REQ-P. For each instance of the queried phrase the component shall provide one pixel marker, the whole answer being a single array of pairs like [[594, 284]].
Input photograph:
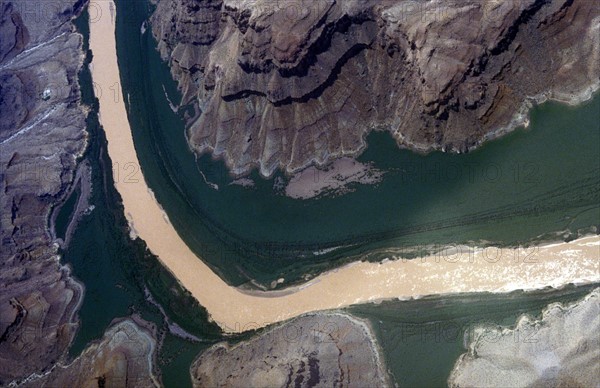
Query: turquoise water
[[532, 185]]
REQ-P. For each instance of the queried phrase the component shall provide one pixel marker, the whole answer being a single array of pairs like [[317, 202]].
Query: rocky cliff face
[[42, 131], [122, 358], [285, 84], [560, 350], [325, 350]]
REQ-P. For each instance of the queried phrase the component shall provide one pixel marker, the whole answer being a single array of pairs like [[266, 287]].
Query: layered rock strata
[[122, 358], [289, 83], [325, 349], [42, 133], [562, 349]]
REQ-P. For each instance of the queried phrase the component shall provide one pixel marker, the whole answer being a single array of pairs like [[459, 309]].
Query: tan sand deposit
[[234, 310]]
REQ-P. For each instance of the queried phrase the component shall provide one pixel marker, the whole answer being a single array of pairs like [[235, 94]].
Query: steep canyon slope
[[290, 83], [42, 132], [42, 139]]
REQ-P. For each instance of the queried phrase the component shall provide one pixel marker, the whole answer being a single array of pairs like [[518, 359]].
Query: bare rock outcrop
[[560, 350], [42, 132], [122, 358], [325, 350], [289, 83]]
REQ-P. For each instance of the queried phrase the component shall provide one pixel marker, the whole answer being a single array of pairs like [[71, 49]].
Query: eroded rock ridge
[[323, 349], [289, 83], [42, 133]]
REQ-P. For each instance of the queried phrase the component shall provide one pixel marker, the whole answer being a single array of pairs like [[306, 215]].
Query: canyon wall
[[290, 83], [42, 133]]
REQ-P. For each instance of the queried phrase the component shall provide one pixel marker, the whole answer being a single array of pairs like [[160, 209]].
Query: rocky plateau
[[562, 349], [42, 134], [324, 350], [284, 84], [122, 358]]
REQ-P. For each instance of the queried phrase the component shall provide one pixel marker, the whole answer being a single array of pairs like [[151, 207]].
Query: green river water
[[547, 182], [532, 185]]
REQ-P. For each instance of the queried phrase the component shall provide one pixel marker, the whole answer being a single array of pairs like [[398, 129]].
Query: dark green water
[[65, 214], [422, 339], [530, 186], [116, 270]]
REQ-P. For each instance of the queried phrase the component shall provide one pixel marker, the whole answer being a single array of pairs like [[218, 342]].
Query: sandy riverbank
[[234, 310]]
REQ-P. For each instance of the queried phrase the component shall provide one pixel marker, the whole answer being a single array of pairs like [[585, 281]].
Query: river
[[524, 188], [115, 271]]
